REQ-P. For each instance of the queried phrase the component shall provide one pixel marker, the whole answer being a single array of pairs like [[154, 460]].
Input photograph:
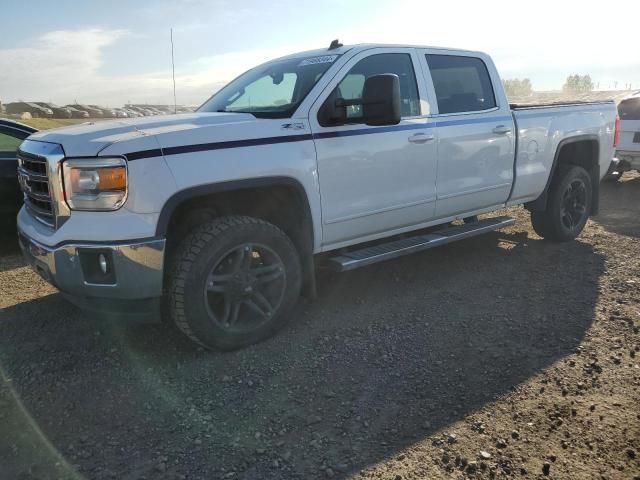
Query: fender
[[540, 203], [307, 246], [202, 190]]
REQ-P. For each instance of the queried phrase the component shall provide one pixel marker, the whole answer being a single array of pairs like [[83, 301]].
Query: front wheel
[[568, 206], [234, 283]]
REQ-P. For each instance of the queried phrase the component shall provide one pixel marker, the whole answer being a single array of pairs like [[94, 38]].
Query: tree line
[[516, 87]]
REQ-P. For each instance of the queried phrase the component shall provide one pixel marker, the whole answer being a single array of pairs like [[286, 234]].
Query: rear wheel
[[539, 223], [235, 281], [568, 206]]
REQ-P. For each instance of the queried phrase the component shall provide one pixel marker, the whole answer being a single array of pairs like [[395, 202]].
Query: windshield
[[273, 90]]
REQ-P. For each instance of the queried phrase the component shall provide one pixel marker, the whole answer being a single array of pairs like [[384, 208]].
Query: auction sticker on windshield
[[317, 60]]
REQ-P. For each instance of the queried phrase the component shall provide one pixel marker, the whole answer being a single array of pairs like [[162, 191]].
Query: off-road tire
[[539, 223], [198, 253], [548, 223]]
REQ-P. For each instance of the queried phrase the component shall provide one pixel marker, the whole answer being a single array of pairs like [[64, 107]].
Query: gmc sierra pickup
[[345, 156]]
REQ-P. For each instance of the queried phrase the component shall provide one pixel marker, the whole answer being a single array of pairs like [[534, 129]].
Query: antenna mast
[[173, 70]]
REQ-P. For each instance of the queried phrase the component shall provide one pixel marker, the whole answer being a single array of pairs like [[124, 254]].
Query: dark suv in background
[[58, 112], [34, 109], [76, 113]]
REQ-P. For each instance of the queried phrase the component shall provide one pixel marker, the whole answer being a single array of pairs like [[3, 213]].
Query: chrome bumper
[[135, 268]]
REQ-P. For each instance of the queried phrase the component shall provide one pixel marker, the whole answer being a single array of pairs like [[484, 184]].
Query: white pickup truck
[[345, 156]]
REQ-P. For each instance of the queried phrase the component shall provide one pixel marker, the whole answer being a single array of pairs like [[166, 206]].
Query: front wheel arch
[[280, 200]]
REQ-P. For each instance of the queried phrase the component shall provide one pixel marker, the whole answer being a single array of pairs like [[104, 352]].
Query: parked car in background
[[93, 112], [628, 143], [11, 136], [121, 113], [58, 112], [106, 112], [35, 110], [143, 111], [156, 111], [133, 113], [75, 113], [341, 156]]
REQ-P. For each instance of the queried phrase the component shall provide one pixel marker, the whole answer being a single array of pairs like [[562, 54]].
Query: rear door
[[375, 179], [476, 136]]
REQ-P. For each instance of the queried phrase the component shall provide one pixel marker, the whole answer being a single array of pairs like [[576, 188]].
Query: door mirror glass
[[381, 100]]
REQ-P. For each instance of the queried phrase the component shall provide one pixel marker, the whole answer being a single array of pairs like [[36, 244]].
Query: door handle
[[421, 138], [501, 129]]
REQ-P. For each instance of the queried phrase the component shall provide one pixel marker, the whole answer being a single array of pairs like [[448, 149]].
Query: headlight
[[95, 184]]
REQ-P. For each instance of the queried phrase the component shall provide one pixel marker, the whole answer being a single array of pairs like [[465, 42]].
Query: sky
[[112, 52]]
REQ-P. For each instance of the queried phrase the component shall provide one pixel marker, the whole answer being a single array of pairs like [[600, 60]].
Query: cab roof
[[365, 46]]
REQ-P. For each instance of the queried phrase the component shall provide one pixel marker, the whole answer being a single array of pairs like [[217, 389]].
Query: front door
[[375, 180]]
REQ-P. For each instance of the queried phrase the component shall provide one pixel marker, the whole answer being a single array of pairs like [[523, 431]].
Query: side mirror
[[381, 100], [380, 103]]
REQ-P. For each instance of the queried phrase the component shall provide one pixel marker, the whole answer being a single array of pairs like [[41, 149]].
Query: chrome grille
[[34, 181], [39, 177]]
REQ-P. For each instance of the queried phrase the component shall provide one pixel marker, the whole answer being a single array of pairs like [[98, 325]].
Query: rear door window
[[629, 109], [462, 84]]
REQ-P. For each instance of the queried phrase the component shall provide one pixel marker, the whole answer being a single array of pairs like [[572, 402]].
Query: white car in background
[[628, 144]]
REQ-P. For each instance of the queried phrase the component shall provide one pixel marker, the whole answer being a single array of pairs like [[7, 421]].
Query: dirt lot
[[502, 356]]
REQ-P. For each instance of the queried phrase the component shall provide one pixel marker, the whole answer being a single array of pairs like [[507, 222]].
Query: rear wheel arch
[[582, 151]]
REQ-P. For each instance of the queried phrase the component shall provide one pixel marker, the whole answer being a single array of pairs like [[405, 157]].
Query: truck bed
[[543, 128], [525, 106]]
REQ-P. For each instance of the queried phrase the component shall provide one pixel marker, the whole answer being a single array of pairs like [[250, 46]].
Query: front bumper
[[133, 283]]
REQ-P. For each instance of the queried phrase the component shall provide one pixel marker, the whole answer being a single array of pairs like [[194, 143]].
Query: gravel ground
[[500, 356]]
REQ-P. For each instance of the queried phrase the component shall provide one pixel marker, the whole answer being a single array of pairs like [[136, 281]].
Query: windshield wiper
[[223, 110]]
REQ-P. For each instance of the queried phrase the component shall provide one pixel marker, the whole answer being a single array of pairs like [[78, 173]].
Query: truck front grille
[[39, 176], [34, 181]]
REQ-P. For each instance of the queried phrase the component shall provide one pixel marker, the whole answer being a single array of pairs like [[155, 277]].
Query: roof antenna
[[173, 71], [335, 44]]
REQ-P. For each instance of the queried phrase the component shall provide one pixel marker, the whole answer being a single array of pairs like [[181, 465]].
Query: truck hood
[[88, 139]]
